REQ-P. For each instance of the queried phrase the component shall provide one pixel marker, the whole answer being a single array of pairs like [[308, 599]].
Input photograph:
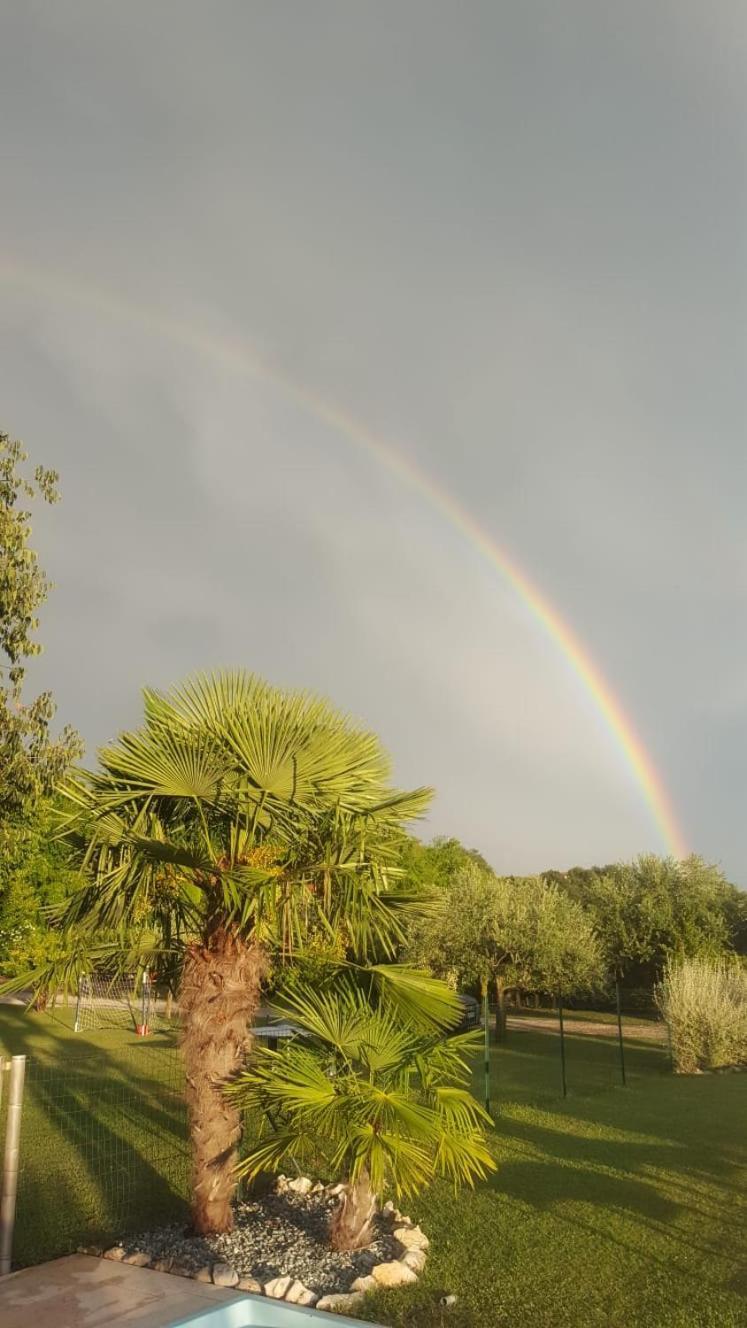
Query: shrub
[[383, 1101], [704, 1002]]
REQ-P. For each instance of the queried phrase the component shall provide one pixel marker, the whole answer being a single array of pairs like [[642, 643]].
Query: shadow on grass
[[103, 1144]]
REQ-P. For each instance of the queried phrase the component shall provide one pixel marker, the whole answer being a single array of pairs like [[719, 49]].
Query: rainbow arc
[[242, 356]]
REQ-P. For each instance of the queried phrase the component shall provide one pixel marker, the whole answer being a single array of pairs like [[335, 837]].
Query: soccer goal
[[121, 1002]]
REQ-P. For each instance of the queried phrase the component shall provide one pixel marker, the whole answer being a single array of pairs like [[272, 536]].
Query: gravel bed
[[277, 1235]]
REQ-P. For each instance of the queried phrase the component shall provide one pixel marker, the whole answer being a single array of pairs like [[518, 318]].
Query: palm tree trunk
[[351, 1227], [218, 997]]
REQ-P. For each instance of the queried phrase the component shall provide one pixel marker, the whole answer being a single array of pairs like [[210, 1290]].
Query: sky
[[506, 240]]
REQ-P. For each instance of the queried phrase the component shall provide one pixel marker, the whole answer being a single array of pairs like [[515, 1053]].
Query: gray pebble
[[281, 1235]]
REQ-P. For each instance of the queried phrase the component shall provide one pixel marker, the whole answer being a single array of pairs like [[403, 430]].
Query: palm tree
[[212, 838], [381, 1100]]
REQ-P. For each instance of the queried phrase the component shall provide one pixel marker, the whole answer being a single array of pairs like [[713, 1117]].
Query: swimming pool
[[260, 1312]]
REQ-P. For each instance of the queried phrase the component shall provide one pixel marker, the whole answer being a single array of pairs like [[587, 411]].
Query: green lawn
[[103, 1133], [613, 1208]]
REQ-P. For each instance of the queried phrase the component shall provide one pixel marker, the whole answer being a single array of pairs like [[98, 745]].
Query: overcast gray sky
[[509, 239]]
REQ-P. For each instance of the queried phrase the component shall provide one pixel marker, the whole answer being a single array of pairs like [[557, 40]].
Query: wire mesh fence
[[103, 1148]]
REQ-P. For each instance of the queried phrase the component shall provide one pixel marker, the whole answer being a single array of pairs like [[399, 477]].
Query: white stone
[[278, 1287], [301, 1185], [415, 1259], [204, 1274], [250, 1284], [138, 1257], [364, 1283], [412, 1238], [336, 1189], [224, 1275], [298, 1294], [116, 1253], [388, 1206], [162, 1265], [393, 1274], [343, 1300]]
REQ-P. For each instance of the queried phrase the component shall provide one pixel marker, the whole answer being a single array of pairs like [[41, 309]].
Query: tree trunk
[[500, 1010], [41, 1000], [218, 997], [351, 1227]]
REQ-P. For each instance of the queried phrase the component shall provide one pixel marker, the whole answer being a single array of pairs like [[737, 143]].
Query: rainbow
[[241, 356]]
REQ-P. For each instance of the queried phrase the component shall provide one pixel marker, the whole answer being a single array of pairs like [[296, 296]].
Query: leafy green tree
[[436, 865], [31, 760], [654, 909], [36, 877], [214, 838], [734, 905], [511, 932], [382, 1101], [457, 939], [577, 881]]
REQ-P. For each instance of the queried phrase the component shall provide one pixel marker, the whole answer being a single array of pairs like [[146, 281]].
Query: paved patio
[[83, 1292]]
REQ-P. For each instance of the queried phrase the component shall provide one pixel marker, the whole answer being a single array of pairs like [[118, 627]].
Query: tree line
[[573, 933]]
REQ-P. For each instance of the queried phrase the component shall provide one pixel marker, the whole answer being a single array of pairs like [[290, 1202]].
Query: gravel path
[[646, 1030]]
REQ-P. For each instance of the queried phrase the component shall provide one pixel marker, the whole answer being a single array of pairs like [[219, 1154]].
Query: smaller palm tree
[[380, 1100]]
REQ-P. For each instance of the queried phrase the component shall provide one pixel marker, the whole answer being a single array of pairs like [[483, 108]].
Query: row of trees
[[573, 932]]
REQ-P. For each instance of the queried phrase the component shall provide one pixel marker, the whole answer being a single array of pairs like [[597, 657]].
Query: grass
[[613, 1208], [103, 1145]]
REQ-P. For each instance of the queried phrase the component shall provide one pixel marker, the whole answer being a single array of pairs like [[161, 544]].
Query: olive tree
[[514, 933]]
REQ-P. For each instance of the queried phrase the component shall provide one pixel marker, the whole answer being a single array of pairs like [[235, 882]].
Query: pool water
[[261, 1312]]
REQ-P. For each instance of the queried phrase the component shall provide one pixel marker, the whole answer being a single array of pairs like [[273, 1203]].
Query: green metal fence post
[[562, 1048], [486, 1023], [620, 1031]]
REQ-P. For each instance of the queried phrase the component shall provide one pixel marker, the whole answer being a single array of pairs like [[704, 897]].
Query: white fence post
[[17, 1073], [77, 1005]]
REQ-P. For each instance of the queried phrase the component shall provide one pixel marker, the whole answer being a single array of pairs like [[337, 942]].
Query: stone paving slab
[[83, 1292]]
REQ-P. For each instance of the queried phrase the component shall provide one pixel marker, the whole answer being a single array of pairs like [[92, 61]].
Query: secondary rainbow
[[240, 355]]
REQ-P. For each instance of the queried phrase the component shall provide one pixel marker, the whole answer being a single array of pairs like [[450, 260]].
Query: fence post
[[671, 1048], [562, 1047], [77, 1007], [486, 1023], [145, 1011], [10, 1161], [620, 1031]]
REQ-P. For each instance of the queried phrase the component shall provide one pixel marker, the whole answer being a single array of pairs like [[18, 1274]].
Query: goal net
[[120, 1002]]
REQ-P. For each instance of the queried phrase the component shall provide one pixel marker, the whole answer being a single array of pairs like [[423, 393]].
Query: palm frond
[[418, 998]]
